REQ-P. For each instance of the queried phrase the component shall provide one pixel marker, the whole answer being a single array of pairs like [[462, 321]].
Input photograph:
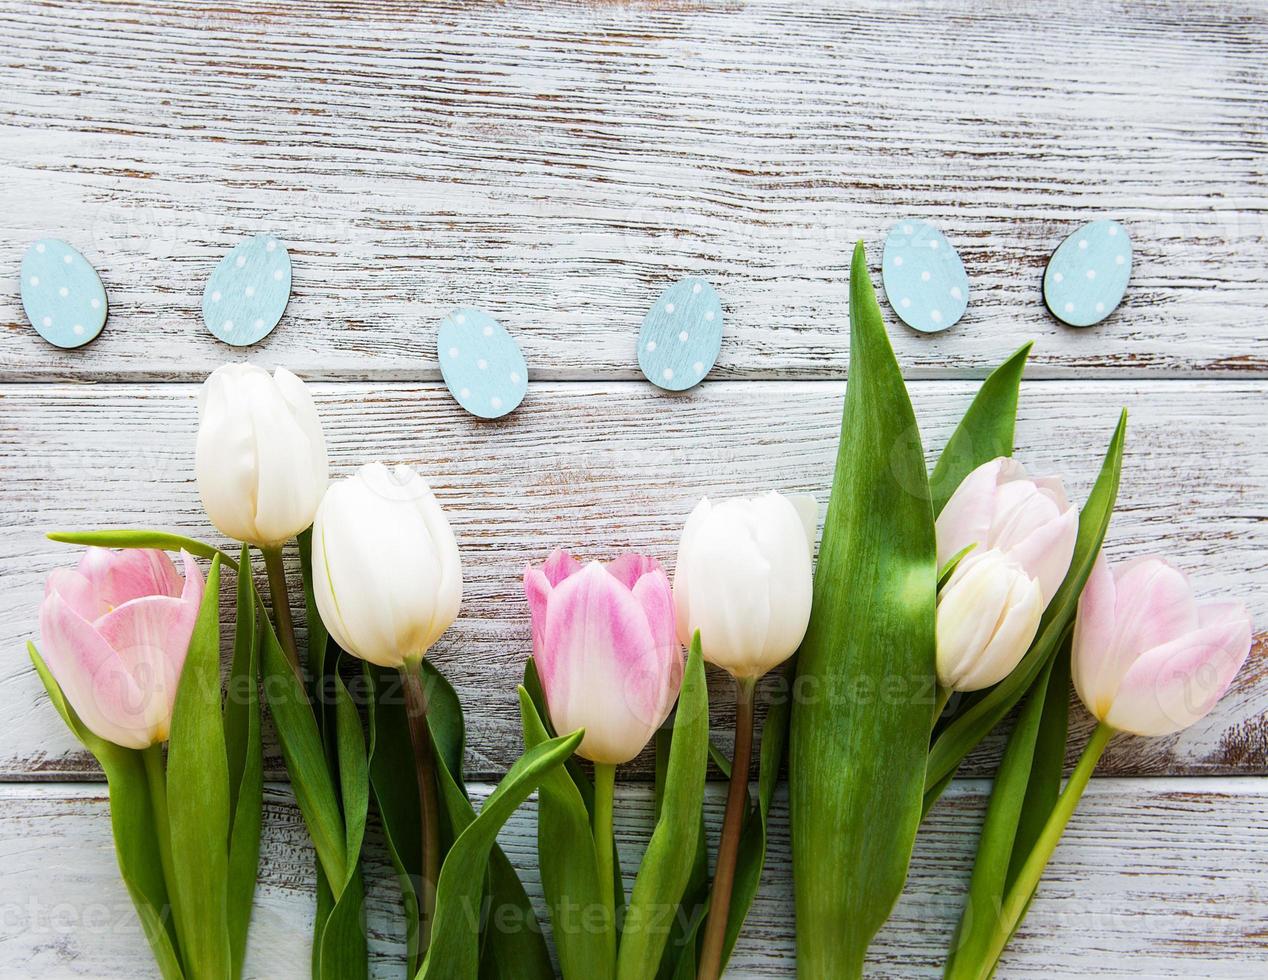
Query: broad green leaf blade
[[984, 433], [665, 871], [243, 746], [198, 797], [972, 724], [988, 883], [858, 745], [342, 936], [533, 684], [569, 867], [454, 950], [318, 638], [679, 957], [142, 538], [354, 773], [132, 822], [305, 758]]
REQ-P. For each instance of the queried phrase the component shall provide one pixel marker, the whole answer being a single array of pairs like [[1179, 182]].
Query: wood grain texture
[[557, 164], [1154, 878], [604, 467]]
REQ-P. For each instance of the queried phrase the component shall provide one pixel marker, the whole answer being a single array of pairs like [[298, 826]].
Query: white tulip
[[386, 571], [743, 579], [988, 612], [261, 457]]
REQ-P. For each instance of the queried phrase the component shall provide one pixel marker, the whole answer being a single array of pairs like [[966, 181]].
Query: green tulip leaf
[[198, 797], [142, 538], [455, 946], [860, 735], [569, 866], [666, 870], [986, 710], [133, 824], [243, 746], [533, 685]]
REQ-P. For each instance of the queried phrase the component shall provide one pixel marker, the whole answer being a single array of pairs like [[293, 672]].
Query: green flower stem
[[428, 796], [604, 791], [732, 826], [1018, 898], [940, 703], [281, 604], [156, 778]]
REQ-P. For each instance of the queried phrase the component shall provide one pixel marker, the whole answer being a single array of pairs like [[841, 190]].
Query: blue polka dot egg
[[681, 335], [247, 293], [923, 276], [62, 294], [482, 364], [1087, 274]]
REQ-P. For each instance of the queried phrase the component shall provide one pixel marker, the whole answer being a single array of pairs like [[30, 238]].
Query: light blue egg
[[482, 364], [924, 278], [1087, 274], [62, 294], [681, 335], [248, 292]]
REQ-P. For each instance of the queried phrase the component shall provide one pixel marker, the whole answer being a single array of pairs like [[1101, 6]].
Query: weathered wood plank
[[558, 163], [607, 467], [1155, 878]]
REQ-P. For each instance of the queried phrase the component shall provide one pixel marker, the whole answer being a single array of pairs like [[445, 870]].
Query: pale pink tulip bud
[[114, 633], [1147, 658], [606, 650]]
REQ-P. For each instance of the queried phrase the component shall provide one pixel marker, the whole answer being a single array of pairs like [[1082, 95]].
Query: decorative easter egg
[[481, 363], [681, 335], [247, 293], [62, 294], [923, 276], [1087, 274]]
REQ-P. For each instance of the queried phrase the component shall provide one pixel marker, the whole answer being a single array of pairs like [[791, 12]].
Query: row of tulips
[[1018, 601]]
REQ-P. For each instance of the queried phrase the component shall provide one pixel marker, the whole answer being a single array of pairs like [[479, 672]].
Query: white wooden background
[[557, 164]]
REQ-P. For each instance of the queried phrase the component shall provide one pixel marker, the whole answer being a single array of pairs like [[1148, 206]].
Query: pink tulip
[[115, 631], [1148, 659], [606, 650]]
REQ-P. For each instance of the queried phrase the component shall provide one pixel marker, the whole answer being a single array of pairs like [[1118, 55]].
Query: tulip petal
[[76, 591], [1174, 685], [1046, 551], [559, 565], [1094, 672], [284, 502], [729, 581], [629, 568], [225, 454], [537, 590], [119, 576], [966, 518], [807, 508], [1010, 641], [652, 592]]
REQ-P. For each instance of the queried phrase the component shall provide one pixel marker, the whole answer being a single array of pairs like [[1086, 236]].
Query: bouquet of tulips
[[941, 602]]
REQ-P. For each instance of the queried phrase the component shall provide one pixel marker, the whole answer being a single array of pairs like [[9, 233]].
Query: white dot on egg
[[1119, 259], [905, 302], [465, 393], [696, 289], [215, 297], [898, 260], [934, 244], [47, 321], [482, 364], [683, 336], [271, 245], [1069, 307], [96, 303], [453, 351], [488, 331], [460, 318], [240, 261], [515, 377], [1082, 243], [34, 280], [68, 259], [1058, 277], [669, 307], [667, 374], [935, 316], [907, 229], [495, 401], [698, 367], [1113, 230], [227, 326], [63, 292], [277, 275], [79, 329], [259, 323], [40, 248], [249, 291], [924, 276], [1100, 307], [709, 315], [1091, 273], [957, 293], [651, 345]]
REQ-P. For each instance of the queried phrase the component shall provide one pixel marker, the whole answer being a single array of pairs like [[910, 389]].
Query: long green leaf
[[985, 711], [142, 538], [132, 822], [341, 941], [243, 745], [569, 867], [679, 960], [454, 950], [860, 732], [198, 797], [984, 433], [666, 868]]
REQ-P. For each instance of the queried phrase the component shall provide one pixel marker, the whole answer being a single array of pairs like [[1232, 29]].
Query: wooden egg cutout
[[924, 279], [681, 335], [1087, 274], [247, 293], [62, 294], [481, 363]]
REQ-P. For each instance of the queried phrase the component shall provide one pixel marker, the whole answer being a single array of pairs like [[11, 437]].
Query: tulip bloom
[[606, 650], [386, 571], [743, 579], [1021, 532], [261, 457], [114, 632], [1148, 659]]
